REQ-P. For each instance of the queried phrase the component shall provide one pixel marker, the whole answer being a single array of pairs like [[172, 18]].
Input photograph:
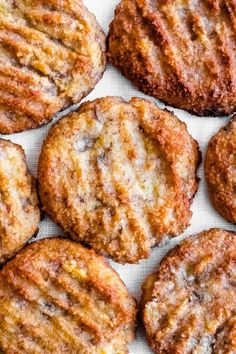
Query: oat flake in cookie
[[52, 53], [220, 171], [189, 304], [19, 209], [181, 52], [119, 176], [59, 297]]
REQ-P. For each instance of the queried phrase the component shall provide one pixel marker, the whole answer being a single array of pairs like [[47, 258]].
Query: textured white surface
[[204, 216]]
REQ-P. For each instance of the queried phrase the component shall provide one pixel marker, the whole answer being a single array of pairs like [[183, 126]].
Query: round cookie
[[19, 207], [52, 53], [181, 52], [59, 297], [189, 304], [119, 176], [220, 171]]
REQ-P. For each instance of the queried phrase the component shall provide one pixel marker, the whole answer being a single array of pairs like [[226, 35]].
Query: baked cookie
[[189, 304], [52, 53], [181, 52], [119, 176], [220, 171], [19, 209], [58, 297], [226, 338]]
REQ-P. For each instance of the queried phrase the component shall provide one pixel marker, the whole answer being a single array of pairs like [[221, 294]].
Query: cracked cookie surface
[[119, 176], [181, 52], [52, 53], [59, 297], [19, 206], [189, 304]]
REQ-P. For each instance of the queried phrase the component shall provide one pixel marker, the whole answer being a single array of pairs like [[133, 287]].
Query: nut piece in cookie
[[189, 304], [220, 171], [181, 52], [59, 297], [119, 176], [19, 207], [52, 53]]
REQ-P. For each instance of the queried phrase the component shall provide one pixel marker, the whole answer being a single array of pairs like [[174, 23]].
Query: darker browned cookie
[[52, 53], [19, 209], [189, 304], [119, 176], [220, 171], [182, 52], [58, 297]]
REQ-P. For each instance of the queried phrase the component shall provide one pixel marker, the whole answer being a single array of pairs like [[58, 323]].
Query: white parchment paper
[[204, 216]]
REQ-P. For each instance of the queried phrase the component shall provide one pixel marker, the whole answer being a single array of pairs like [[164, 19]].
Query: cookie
[[52, 53], [226, 338], [189, 304], [220, 171], [19, 207], [181, 52], [59, 297], [119, 176]]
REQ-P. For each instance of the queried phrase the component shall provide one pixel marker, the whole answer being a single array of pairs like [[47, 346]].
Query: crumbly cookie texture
[[220, 171], [189, 304], [119, 176], [182, 52], [59, 297], [226, 338], [19, 206], [52, 53]]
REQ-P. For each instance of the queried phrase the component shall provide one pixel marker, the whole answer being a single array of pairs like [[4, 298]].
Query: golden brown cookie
[[59, 297], [189, 304], [119, 176], [220, 171], [51, 56], [19, 209], [226, 338], [181, 52]]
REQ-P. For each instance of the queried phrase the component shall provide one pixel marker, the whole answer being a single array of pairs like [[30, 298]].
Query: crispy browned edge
[[19, 147], [212, 158], [55, 238]]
